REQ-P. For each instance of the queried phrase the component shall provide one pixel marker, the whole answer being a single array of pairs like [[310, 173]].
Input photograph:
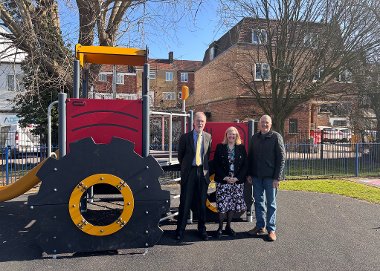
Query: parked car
[[345, 135], [22, 141], [330, 135]]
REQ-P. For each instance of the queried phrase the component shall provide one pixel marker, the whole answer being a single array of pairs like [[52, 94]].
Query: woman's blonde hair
[[234, 130]]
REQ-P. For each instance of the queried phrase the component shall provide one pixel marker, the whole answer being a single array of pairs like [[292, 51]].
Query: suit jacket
[[222, 166], [186, 154]]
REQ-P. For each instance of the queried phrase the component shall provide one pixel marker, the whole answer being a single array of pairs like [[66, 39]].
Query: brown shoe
[[257, 231], [272, 236]]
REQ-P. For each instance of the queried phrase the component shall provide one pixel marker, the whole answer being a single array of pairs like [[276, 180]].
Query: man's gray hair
[[266, 117]]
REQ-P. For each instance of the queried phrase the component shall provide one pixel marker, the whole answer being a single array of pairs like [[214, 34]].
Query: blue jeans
[[265, 203]]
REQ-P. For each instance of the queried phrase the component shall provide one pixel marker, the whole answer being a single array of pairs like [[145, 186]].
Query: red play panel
[[217, 130], [104, 119]]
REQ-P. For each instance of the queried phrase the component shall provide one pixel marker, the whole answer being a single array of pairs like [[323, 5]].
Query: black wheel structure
[[58, 206]]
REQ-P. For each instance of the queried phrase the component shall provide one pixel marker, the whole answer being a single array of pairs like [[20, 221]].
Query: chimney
[[170, 57]]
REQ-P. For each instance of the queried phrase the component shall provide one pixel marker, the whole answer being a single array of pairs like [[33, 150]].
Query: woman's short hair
[[238, 140]]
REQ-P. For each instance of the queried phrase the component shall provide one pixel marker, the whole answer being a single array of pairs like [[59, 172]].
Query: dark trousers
[[193, 194]]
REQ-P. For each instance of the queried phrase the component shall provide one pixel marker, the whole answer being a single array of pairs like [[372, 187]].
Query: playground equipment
[[103, 156]]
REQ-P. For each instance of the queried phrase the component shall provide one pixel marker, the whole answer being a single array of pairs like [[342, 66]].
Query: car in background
[[330, 134], [21, 141], [336, 135], [344, 135]]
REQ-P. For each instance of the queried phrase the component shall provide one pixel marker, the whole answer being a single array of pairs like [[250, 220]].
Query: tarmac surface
[[315, 232]]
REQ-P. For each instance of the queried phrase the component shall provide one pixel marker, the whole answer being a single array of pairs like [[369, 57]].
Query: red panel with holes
[[104, 119]]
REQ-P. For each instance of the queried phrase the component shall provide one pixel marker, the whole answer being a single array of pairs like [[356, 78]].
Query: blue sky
[[193, 38], [188, 39]]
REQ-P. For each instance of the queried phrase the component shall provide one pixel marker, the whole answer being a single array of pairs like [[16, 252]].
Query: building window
[[262, 72], [345, 77], [102, 77], [212, 52], [152, 74], [120, 79], [318, 75], [259, 36], [14, 83], [293, 126], [169, 76], [184, 77], [311, 40], [168, 96]]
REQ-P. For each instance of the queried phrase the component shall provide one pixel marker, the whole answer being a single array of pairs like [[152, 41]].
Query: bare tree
[[34, 27], [307, 45]]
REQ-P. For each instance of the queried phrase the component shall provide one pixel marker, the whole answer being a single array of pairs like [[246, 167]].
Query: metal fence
[[302, 161]]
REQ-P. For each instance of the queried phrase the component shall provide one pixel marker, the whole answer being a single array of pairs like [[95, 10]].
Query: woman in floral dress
[[230, 175]]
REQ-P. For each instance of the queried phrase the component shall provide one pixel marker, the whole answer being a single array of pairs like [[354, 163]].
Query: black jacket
[[266, 156], [221, 163], [186, 153]]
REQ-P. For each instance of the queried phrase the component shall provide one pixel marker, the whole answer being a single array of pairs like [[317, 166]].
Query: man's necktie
[[198, 159]]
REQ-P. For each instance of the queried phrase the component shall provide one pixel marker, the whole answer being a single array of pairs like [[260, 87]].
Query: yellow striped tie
[[198, 159]]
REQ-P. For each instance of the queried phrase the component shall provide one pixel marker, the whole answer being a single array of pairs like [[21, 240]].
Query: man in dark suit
[[193, 154]]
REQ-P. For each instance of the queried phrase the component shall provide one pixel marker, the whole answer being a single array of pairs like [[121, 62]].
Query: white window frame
[[169, 76], [260, 78], [345, 76], [212, 53], [102, 77], [152, 75], [259, 36], [317, 75], [120, 79], [168, 96], [14, 82], [184, 77]]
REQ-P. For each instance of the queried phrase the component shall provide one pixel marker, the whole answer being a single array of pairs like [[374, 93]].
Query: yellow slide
[[23, 185]]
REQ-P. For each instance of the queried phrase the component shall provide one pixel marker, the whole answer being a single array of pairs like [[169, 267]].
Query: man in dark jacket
[[193, 154], [266, 162]]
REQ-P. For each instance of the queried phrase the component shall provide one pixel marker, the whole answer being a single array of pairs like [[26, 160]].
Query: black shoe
[[203, 235], [218, 234], [230, 232]]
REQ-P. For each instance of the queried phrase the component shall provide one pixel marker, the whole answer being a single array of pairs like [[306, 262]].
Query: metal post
[[145, 98], [7, 154], [191, 121], [184, 130], [62, 124], [76, 78], [170, 138], [49, 126], [248, 188], [114, 74], [357, 160], [85, 84], [162, 133]]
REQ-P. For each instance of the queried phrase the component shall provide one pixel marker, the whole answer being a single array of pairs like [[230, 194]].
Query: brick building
[[221, 95], [167, 76]]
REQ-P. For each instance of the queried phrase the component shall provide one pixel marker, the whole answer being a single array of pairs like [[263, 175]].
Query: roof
[[181, 65], [8, 53]]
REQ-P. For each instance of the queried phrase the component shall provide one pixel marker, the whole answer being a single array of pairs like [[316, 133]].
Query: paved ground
[[370, 181], [316, 232]]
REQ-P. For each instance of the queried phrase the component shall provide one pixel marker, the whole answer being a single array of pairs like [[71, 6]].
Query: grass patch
[[339, 187]]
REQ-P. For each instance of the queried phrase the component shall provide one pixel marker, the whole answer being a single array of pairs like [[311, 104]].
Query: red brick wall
[[129, 86], [242, 109]]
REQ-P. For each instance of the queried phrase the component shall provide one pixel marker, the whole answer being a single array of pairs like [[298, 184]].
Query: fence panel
[[302, 160]]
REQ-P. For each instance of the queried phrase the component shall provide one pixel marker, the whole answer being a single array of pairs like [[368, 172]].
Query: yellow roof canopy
[[110, 55]]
